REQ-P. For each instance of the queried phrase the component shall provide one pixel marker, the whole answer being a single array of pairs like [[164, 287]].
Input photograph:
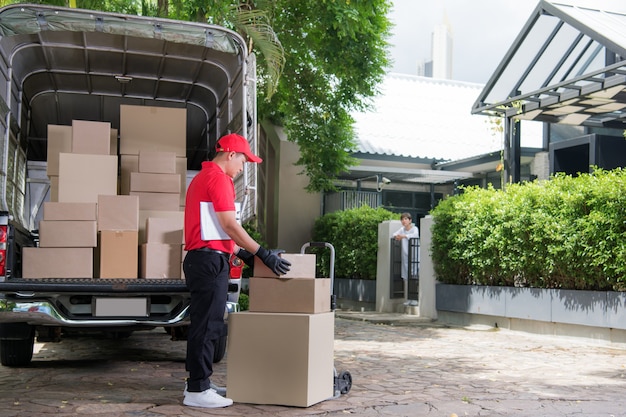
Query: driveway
[[398, 369]]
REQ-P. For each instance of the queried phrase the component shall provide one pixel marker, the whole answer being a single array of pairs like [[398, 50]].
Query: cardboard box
[[154, 183], [118, 212], [165, 230], [154, 128], [130, 163], [160, 260], [57, 262], [280, 359], [69, 211], [82, 178], [181, 168], [92, 138], [302, 266], [113, 138], [54, 188], [279, 295], [156, 162], [59, 141], [157, 201], [67, 233], [145, 214], [119, 254]]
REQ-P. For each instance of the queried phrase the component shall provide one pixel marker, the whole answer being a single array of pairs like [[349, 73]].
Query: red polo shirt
[[211, 184]]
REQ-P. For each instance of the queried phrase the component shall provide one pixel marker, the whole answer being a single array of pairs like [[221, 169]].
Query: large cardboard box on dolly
[[302, 266], [280, 359], [296, 295], [57, 262]]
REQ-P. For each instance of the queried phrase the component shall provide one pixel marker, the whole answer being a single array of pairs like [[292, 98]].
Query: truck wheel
[[16, 352], [220, 349]]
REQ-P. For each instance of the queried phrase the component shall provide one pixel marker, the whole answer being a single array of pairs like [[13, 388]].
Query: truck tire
[[220, 349], [16, 352]]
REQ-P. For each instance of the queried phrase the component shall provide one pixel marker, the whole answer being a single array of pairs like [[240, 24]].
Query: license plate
[[121, 307]]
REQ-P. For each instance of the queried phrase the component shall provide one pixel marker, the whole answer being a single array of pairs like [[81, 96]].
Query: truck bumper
[[45, 314]]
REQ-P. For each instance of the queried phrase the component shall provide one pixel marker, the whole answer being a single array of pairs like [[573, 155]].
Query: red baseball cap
[[236, 143]]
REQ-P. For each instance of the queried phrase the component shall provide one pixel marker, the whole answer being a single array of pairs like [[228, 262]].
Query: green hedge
[[568, 232], [354, 235]]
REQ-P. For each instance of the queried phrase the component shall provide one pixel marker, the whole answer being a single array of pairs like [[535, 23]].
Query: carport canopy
[[567, 66]]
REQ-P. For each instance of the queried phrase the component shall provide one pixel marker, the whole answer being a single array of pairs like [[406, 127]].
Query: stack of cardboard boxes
[[153, 164], [95, 221], [281, 351], [81, 168], [118, 236]]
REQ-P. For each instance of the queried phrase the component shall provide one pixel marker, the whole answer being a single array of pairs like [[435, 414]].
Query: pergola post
[[512, 151]]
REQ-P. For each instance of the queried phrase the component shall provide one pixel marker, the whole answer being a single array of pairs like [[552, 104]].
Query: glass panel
[[549, 59], [563, 73], [592, 59], [511, 74]]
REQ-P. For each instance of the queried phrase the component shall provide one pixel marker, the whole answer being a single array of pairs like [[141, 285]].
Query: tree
[[319, 60], [335, 54]]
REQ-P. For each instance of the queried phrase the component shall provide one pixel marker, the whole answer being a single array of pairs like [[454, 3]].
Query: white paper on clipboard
[[210, 225]]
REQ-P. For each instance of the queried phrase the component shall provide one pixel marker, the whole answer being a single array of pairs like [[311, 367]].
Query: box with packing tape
[[280, 295], [302, 266]]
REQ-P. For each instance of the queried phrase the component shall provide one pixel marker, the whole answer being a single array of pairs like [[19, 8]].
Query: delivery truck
[[104, 119]]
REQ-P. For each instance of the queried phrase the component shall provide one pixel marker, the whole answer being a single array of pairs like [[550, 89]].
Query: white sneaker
[[206, 399], [220, 390]]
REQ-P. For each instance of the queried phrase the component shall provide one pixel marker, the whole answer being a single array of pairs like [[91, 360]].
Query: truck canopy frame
[[60, 64]]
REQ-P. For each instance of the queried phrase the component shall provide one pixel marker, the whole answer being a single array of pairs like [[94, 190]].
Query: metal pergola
[[566, 66]]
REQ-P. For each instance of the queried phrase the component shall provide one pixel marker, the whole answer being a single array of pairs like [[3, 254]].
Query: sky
[[482, 33]]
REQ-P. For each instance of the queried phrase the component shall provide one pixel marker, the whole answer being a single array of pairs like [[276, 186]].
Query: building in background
[[440, 64]]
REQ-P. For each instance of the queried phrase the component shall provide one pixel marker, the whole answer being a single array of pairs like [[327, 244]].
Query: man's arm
[[238, 234]]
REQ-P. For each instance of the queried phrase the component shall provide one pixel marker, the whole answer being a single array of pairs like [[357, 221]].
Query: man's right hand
[[278, 265]]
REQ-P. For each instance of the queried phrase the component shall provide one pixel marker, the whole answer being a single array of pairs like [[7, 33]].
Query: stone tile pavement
[[400, 365]]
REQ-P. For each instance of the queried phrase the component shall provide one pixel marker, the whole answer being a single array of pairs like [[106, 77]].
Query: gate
[[397, 289]]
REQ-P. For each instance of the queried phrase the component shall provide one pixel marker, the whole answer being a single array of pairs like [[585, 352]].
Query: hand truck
[[342, 382]]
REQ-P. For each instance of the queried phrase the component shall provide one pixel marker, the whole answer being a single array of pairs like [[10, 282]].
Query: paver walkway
[[405, 369]]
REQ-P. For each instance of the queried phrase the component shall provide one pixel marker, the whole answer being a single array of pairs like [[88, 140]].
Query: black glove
[[246, 257], [274, 262]]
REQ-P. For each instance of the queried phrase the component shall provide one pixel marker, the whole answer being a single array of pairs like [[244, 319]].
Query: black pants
[[206, 274]]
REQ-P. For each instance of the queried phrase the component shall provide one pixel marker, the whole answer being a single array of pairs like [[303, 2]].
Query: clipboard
[[210, 228]]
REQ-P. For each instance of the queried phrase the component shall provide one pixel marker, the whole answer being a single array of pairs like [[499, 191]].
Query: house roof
[[427, 121], [567, 65], [427, 118]]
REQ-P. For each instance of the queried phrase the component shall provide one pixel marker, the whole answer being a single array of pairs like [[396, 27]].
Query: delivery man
[[212, 233]]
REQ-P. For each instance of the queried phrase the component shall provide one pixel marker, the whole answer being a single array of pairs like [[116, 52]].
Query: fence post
[[427, 306], [384, 302]]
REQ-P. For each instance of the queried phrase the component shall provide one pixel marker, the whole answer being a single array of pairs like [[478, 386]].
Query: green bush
[[244, 301], [568, 232], [354, 235]]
